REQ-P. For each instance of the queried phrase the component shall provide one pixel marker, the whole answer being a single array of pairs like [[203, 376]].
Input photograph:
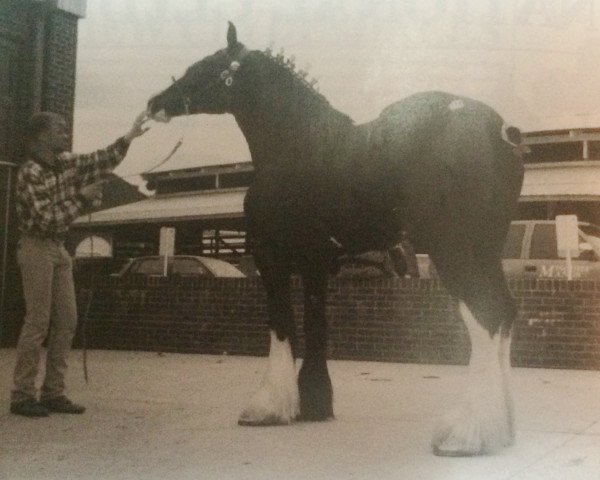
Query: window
[[94, 246], [594, 150], [148, 266], [543, 242], [233, 180], [191, 184], [176, 266], [589, 243], [555, 152], [187, 266]]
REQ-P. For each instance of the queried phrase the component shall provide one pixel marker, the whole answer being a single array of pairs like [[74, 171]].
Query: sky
[[537, 62]]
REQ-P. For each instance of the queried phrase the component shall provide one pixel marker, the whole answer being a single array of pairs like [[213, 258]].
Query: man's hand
[[92, 192], [138, 128]]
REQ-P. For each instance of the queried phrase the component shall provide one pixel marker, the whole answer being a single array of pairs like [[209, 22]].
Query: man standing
[[53, 189]]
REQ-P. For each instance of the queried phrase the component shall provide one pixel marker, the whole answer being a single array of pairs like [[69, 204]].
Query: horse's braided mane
[[322, 129], [288, 65]]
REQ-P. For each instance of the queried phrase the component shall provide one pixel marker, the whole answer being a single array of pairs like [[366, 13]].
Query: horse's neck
[[284, 120]]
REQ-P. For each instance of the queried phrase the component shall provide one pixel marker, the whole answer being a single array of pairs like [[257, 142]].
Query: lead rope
[[84, 320], [87, 310]]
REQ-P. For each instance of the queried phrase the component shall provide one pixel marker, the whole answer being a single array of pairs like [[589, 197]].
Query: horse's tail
[[511, 135]]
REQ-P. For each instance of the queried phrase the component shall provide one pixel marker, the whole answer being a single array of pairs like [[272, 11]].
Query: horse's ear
[[231, 37]]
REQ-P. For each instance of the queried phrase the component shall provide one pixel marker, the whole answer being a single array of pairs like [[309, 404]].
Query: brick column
[[60, 59]]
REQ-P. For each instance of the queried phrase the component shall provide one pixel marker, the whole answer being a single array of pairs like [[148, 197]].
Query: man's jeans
[[49, 292]]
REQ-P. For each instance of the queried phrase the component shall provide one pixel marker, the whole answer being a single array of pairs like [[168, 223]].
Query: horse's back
[[455, 123], [465, 137]]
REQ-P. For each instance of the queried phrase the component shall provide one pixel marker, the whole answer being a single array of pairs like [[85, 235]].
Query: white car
[[180, 265]]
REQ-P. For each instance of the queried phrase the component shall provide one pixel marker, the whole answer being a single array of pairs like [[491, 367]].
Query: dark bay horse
[[443, 168]]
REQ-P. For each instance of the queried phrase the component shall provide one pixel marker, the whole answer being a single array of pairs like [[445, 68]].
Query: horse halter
[[228, 73], [226, 76], [184, 97]]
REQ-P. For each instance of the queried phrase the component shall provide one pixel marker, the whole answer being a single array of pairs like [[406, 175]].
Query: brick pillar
[[59, 69], [38, 46]]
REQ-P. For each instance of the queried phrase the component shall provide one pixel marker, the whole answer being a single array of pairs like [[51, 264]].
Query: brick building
[[38, 43]]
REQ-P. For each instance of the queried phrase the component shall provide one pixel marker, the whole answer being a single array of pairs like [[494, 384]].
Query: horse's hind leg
[[316, 395], [484, 422], [277, 400]]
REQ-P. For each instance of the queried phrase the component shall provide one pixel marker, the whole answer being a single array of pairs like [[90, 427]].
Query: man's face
[[56, 137]]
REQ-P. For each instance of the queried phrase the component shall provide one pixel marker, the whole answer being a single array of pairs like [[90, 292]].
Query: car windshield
[[185, 266], [543, 242], [176, 266], [590, 229], [514, 241], [590, 234], [148, 266], [222, 269]]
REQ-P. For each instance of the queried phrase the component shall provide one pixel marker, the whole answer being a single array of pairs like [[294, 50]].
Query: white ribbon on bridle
[[226, 76]]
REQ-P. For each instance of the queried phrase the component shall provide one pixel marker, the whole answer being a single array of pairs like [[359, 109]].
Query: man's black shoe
[[29, 408], [62, 405]]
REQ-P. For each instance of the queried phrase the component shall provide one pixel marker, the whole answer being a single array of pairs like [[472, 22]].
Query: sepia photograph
[[300, 239]]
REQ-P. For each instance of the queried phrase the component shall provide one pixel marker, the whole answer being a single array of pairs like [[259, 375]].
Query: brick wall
[[59, 67], [411, 321], [559, 324]]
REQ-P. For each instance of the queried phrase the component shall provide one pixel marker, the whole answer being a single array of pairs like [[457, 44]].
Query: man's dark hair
[[38, 123]]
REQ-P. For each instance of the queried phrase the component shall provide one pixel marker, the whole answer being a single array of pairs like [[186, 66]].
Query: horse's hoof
[[439, 452], [270, 421], [467, 432], [316, 407], [315, 417], [322, 414], [254, 419], [316, 395], [264, 411]]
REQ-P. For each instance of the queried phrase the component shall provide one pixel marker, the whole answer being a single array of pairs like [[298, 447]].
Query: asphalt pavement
[[174, 416]]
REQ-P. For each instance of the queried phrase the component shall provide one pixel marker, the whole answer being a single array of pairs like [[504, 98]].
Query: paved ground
[[171, 416]]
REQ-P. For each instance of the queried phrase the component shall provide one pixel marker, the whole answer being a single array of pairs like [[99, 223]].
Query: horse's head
[[206, 85]]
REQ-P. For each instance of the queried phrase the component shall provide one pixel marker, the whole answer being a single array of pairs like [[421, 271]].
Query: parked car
[[180, 265], [530, 251], [373, 264], [97, 266]]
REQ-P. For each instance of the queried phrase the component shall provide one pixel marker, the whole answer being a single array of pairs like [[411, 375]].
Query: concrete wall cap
[[74, 7]]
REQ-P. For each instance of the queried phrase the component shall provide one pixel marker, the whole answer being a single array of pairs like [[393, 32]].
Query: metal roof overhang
[[564, 181], [194, 206]]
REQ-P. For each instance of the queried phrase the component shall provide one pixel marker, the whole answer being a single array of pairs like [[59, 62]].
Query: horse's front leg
[[316, 394], [276, 402]]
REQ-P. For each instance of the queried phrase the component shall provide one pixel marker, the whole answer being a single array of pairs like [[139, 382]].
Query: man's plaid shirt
[[48, 198]]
